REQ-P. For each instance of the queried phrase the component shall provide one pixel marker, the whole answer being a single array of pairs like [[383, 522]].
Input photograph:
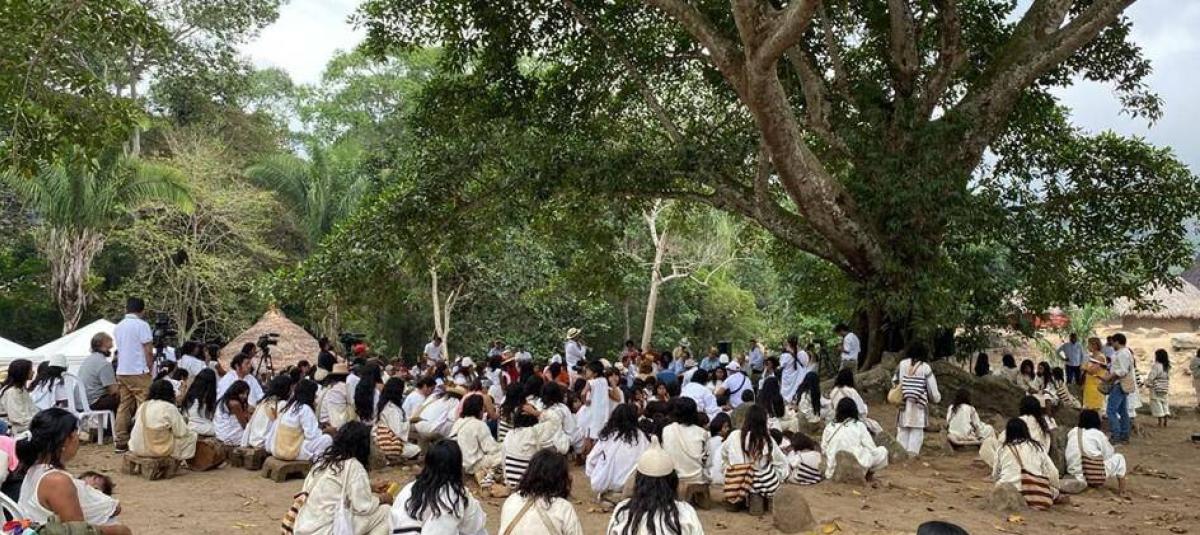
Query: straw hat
[[320, 374], [573, 333], [340, 369], [466, 362], [655, 462], [457, 390], [685, 343]]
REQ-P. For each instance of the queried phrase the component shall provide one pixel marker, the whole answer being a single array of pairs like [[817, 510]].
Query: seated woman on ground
[[616, 451], [755, 466], [200, 403], [391, 432], [296, 435], [1039, 425], [804, 459], [527, 437], [159, 429], [963, 426], [233, 413], [1091, 459], [547, 484], [1021, 454], [437, 501], [47, 489], [339, 476], [843, 387], [848, 433], [278, 392], [481, 453], [654, 507], [718, 429]]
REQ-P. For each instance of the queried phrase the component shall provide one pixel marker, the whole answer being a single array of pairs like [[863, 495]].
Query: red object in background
[[360, 348]]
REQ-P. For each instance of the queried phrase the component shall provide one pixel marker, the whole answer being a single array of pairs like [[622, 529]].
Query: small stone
[[1005, 498], [848, 470]]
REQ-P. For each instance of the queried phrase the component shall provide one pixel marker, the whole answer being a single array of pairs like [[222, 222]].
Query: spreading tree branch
[[721, 50], [903, 59], [785, 30], [950, 57]]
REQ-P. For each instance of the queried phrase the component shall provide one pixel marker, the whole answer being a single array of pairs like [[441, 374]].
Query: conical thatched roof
[[1164, 303], [295, 344]]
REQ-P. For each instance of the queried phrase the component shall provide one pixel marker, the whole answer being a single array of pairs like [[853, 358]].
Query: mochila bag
[[289, 518], [1036, 489], [1094, 472]]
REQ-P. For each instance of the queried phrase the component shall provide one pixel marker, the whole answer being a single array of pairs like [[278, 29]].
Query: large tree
[[916, 146]]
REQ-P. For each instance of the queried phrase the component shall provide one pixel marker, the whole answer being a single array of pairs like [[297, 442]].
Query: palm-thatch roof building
[[295, 343], [1174, 311]]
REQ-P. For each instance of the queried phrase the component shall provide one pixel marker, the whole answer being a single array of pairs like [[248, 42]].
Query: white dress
[[98, 508], [1095, 444], [327, 490], [964, 428], [790, 376], [561, 415], [466, 519], [706, 402], [302, 422], [852, 436], [689, 521], [558, 513], [991, 445], [612, 461], [260, 423], [716, 469], [200, 422], [522, 442], [599, 406], [334, 406], [688, 447], [437, 416], [229, 429], [914, 414]]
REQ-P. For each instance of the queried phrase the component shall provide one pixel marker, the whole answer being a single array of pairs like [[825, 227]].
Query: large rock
[[896, 453], [791, 513], [1185, 341], [1005, 498], [847, 470]]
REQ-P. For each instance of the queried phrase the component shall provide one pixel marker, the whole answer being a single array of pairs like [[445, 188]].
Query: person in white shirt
[[338, 482], [653, 502], [1120, 373], [278, 392], [433, 350], [1021, 454], [435, 417], [481, 454], [791, 370], [919, 388], [963, 426], [851, 347], [135, 358], [542, 504], [755, 358], [613, 458], [421, 390], [687, 444], [704, 399], [239, 370], [523, 355], [296, 435], [804, 459], [848, 433], [573, 350], [437, 501], [734, 385], [191, 360], [1091, 459]]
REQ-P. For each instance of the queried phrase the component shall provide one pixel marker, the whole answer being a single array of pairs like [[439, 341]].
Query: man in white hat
[[736, 384], [574, 350]]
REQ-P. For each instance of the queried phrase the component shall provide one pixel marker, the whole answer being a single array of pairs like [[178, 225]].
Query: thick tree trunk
[[876, 340], [70, 253]]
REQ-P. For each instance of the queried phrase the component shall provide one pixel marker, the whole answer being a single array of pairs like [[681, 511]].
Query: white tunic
[[479, 449], [466, 519], [964, 426], [413, 400], [301, 417], [851, 436], [612, 461], [328, 488], [689, 521], [706, 402], [559, 513], [1036, 462], [839, 392], [561, 415], [522, 442], [200, 422], [1095, 444], [227, 380], [791, 374], [437, 416], [599, 406], [732, 454], [335, 406], [716, 469], [688, 447], [229, 429], [912, 413], [260, 423]]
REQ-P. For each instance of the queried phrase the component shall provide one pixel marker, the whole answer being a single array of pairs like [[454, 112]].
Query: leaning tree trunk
[[875, 337], [70, 253]]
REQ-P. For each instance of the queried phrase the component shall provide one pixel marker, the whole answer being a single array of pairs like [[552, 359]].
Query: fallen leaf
[[856, 493], [1016, 519], [831, 527]]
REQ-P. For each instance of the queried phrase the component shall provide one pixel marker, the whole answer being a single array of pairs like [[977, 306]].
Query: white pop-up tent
[[10, 350], [76, 345]]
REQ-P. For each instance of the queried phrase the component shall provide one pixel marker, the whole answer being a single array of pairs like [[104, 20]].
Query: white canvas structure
[[76, 345], [10, 350]]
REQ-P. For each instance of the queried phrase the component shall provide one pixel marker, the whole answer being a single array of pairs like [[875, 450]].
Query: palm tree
[[78, 200], [320, 190]]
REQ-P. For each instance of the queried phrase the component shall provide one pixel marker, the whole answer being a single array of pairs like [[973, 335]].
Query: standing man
[[433, 350], [326, 359], [522, 355], [574, 351], [96, 374], [135, 358], [1120, 373], [1072, 353], [756, 360], [851, 347]]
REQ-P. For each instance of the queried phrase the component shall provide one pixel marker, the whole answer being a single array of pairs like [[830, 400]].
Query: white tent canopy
[[76, 345], [10, 350]]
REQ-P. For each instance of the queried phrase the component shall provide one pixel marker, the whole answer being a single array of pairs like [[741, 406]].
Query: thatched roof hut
[[295, 344], [1175, 310]]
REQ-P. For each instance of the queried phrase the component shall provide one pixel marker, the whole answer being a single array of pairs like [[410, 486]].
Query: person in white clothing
[[421, 391], [718, 429], [338, 484], [1091, 459], [527, 437], [191, 360], [1159, 382], [804, 459], [1037, 425], [433, 350], [437, 502], [232, 414], [791, 370], [612, 459], [704, 399], [200, 403], [335, 400], [16, 405], [1019, 455], [574, 350], [557, 411], [735, 385], [687, 444], [434, 418], [755, 465], [296, 435], [541, 504], [963, 426], [600, 398], [239, 370], [278, 392], [54, 387], [391, 432], [851, 347], [843, 387], [654, 486], [480, 453], [919, 388], [135, 358], [848, 433]]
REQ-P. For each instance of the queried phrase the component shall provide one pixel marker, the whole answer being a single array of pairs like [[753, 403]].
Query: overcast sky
[[309, 31]]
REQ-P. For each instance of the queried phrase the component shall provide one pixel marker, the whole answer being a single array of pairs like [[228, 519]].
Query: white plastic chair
[[10, 508]]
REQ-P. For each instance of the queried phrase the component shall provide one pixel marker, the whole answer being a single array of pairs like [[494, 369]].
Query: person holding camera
[[135, 358]]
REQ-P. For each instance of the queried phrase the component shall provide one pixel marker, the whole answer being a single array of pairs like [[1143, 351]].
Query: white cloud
[[305, 37]]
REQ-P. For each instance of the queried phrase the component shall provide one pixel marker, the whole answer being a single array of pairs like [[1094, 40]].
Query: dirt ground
[[940, 485]]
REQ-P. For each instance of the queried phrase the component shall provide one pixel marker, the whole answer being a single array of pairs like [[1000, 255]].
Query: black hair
[[514, 398], [165, 369], [364, 392], [234, 392], [547, 477], [187, 348], [1161, 357], [305, 393], [161, 390], [18, 375], [552, 394], [352, 441], [747, 396], [533, 385], [1008, 361], [596, 367], [393, 392], [846, 409], [812, 385], [1017, 432], [180, 374], [1027, 365], [962, 396], [755, 435], [700, 376], [938, 527], [473, 406], [841, 327], [622, 424], [203, 392], [48, 432], [1045, 373], [1119, 338], [802, 442], [844, 378], [652, 504], [683, 410], [280, 388], [48, 375], [1089, 419], [1030, 406], [770, 397], [106, 483], [425, 382], [918, 353], [438, 489], [237, 361], [982, 368], [1057, 373], [135, 305]]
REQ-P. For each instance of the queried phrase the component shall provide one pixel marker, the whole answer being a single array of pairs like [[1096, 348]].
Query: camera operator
[[239, 370], [326, 359], [135, 358]]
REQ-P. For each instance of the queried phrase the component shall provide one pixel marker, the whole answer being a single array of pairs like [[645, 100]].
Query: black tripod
[[265, 358]]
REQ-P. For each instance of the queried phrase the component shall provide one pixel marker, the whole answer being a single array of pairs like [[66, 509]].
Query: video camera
[[348, 339], [264, 347], [163, 334]]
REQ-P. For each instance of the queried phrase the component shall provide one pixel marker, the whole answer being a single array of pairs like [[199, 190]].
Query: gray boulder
[[790, 512], [847, 470], [1005, 498], [896, 453]]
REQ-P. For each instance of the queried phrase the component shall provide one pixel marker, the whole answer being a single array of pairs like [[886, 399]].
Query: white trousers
[[911, 438]]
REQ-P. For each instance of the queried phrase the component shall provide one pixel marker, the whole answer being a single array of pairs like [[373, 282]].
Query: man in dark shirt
[[326, 359]]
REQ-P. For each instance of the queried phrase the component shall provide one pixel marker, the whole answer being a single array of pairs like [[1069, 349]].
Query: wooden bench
[[279, 470], [248, 458], [151, 468]]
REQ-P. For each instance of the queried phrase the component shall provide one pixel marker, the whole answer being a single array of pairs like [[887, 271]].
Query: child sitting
[[718, 429], [964, 428], [804, 458]]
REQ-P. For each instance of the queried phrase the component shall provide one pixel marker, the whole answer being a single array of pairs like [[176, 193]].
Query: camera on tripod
[[164, 334], [349, 339], [266, 341]]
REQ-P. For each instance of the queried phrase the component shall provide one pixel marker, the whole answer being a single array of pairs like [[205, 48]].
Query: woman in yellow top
[[1093, 374]]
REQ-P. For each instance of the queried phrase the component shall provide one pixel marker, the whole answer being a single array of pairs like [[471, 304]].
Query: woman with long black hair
[[1039, 427], [541, 504], [437, 501], [200, 403], [1023, 463], [810, 404], [481, 453], [366, 393], [47, 488], [233, 413], [848, 433], [16, 405], [755, 466], [613, 457], [159, 429], [654, 508], [791, 370], [296, 434], [392, 427], [338, 480], [687, 444], [278, 392]]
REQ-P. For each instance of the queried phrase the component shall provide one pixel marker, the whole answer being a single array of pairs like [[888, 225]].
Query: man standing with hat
[[574, 350]]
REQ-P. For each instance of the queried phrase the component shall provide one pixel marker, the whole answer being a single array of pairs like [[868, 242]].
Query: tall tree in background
[[871, 117], [79, 199]]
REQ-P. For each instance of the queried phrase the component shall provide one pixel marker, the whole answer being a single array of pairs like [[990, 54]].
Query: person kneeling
[[339, 485], [1024, 464], [1091, 459], [964, 428], [159, 430]]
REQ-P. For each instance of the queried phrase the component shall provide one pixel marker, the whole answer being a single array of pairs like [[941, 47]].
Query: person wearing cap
[[464, 371], [654, 502], [735, 384]]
